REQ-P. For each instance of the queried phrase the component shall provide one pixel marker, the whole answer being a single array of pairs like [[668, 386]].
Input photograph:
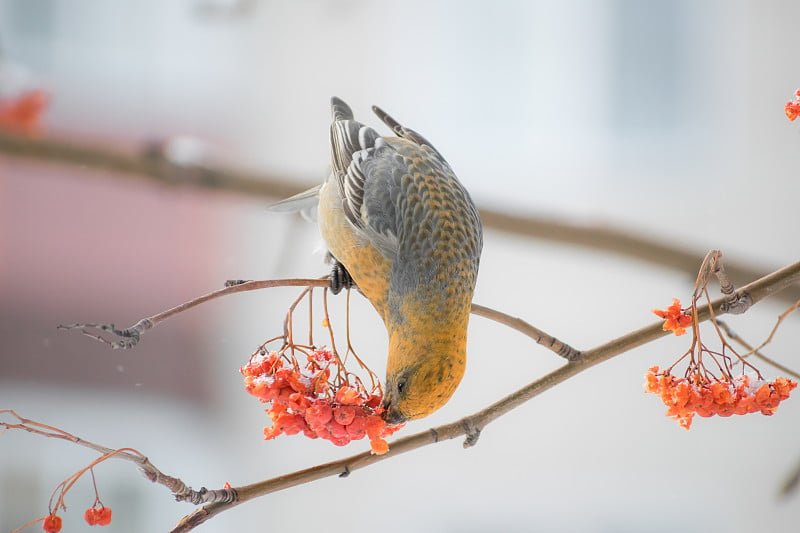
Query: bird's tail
[[304, 203], [401, 131], [340, 110]]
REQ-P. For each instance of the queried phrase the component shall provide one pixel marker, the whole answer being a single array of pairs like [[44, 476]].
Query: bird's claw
[[340, 278], [234, 282]]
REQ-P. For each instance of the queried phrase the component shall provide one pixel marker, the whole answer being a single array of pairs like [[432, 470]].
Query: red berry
[[344, 414], [103, 516], [52, 524], [357, 429]]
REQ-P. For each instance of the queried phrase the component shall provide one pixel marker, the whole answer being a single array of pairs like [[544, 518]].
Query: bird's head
[[419, 389]]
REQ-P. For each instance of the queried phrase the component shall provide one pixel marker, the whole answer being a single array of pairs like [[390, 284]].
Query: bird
[[402, 229]]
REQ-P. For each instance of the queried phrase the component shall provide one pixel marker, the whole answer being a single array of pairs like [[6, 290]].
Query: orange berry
[[357, 429], [685, 421], [336, 429], [344, 414], [341, 441], [98, 517], [792, 110], [298, 382], [783, 387], [299, 402], [721, 393], [681, 394], [390, 430], [379, 446], [745, 405], [105, 516], [319, 414], [374, 426], [374, 401], [348, 396], [52, 524], [290, 423], [271, 432]]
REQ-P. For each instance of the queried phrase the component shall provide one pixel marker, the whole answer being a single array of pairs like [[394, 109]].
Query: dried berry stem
[[756, 352], [734, 302]]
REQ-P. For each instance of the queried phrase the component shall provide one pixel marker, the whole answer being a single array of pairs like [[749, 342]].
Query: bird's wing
[[369, 171], [368, 176]]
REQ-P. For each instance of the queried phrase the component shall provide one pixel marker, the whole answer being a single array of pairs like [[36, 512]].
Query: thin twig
[[755, 352], [766, 286], [288, 322], [564, 350], [792, 308], [132, 335]]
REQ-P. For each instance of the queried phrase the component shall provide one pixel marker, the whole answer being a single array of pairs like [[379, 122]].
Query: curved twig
[[129, 337]]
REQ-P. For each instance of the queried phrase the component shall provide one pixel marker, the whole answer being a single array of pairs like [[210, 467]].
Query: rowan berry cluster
[[318, 398], [94, 516], [697, 394], [792, 108]]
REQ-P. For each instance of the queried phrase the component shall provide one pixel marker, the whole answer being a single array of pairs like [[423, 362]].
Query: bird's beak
[[391, 415]]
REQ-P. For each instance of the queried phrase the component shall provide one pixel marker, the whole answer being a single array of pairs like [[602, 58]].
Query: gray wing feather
[[369, 171], [380, 206], [362, 166]]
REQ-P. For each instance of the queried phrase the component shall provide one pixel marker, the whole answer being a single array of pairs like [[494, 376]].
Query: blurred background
[[663, 119]]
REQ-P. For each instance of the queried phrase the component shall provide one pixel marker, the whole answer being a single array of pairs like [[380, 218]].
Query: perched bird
[[398, 224]]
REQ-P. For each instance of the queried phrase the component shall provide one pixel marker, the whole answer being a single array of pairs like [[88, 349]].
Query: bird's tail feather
[[340, 110], [304, 203]]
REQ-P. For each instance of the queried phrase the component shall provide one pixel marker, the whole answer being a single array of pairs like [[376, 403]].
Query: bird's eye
[[401, 385]]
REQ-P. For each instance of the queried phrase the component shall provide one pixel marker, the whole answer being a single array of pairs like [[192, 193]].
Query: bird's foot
[[340, 278]]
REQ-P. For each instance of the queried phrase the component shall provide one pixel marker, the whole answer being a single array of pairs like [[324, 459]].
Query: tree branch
[[151, 165], [473, 424], [175, 485]]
